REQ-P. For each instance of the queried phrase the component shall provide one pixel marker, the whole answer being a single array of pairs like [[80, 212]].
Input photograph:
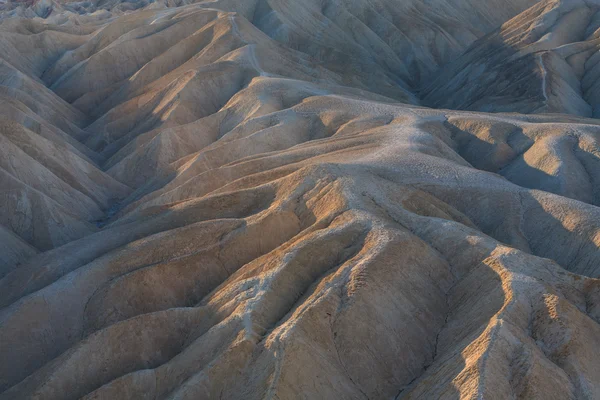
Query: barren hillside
[[284, 199]]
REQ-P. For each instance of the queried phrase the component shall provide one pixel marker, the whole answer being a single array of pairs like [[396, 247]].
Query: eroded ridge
[[249, 200]]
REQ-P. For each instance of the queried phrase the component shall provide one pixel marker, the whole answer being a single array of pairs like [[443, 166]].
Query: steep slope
[[247, 200], [540, 61], [315, 256]]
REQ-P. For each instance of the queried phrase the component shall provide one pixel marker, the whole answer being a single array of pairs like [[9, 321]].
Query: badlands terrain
[[285, 199]]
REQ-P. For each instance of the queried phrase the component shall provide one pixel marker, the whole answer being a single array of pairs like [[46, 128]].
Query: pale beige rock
[[248, 200]]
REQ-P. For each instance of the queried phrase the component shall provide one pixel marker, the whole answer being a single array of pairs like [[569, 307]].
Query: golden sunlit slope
[[248, 200]]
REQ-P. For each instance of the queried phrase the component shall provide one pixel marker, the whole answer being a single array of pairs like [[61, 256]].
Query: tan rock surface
[[250, 200]]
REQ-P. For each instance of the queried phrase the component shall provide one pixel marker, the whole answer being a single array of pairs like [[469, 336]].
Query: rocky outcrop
[[249, 200]]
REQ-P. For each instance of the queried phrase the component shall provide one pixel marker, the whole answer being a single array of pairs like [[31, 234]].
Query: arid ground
[[300, 199]]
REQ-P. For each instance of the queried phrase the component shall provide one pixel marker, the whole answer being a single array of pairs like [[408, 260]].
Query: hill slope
[[249, 199]]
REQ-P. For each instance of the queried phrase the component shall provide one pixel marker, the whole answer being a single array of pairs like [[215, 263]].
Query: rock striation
[[278, 199]]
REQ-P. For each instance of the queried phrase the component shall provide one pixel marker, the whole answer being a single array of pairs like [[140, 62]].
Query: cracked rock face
[[278, 199]]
